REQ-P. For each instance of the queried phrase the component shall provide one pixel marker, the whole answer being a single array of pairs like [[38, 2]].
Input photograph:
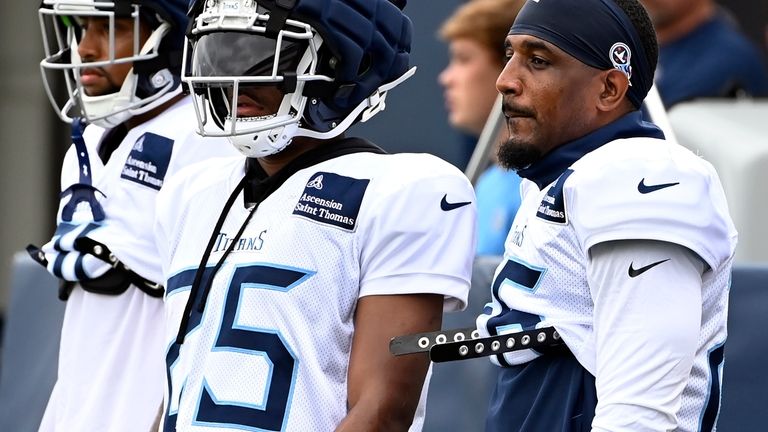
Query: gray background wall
[[29, 154], [415, 117]]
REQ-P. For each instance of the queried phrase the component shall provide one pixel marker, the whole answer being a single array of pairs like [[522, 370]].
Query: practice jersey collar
[[259, 185], [549, 168]]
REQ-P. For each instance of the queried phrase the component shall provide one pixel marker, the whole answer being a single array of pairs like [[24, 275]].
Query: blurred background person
[[703, 53], [473, 34]]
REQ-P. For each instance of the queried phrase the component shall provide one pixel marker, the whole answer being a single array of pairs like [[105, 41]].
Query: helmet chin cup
[[110, 110], [112, 120], [264, 143]]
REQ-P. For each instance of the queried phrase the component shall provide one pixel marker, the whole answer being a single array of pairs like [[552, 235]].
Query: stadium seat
[[745, 384], [459, 391], [30, 345], [733, 136]]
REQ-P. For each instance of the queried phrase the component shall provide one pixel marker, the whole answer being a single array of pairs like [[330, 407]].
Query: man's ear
[[614, 90]]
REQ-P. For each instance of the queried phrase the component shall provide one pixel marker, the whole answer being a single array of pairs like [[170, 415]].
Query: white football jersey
[[111, 370], [270, 350], [636, 188]]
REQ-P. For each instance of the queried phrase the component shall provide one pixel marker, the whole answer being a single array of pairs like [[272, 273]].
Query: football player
[[131, 129], [289, 270], [623, 242]]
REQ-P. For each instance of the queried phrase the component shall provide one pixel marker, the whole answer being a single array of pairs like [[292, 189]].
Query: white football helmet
[[330, 75], [154, 77]]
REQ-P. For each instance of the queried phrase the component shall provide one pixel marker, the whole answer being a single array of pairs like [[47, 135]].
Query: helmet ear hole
[[344, 91], [365, 65], [327, 62], [332, 63]]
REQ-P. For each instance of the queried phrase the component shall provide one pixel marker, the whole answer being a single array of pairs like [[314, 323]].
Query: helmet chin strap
[[368, 108], [276, 139], [112, 109]]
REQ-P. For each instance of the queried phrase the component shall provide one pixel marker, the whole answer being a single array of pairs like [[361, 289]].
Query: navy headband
[[596, 32]]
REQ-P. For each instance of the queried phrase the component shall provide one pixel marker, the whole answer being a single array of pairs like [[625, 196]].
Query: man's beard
[[113, 86], [516, 155]]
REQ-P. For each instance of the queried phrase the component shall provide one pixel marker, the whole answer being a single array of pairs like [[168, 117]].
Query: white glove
[[64, 262]]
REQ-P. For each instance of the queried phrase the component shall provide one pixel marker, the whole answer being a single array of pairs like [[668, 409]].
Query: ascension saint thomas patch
[[332, 199], [552, 207], [148, 161]]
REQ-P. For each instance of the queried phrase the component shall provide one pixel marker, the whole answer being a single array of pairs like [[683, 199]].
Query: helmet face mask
[[61, 24], [237, 45], [230, 53]]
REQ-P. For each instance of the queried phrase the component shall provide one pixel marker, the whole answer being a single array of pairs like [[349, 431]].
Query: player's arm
[[648, 306], [416, 253], [384, 390]]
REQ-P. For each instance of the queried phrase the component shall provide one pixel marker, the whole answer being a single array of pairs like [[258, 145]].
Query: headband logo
[[620, 57]]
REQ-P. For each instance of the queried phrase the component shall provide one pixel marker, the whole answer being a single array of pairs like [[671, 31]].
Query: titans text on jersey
[[270, 351]]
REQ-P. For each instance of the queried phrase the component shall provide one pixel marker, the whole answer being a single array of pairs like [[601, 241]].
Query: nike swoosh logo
[[632, 272], [644, 189], [446, 206]]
